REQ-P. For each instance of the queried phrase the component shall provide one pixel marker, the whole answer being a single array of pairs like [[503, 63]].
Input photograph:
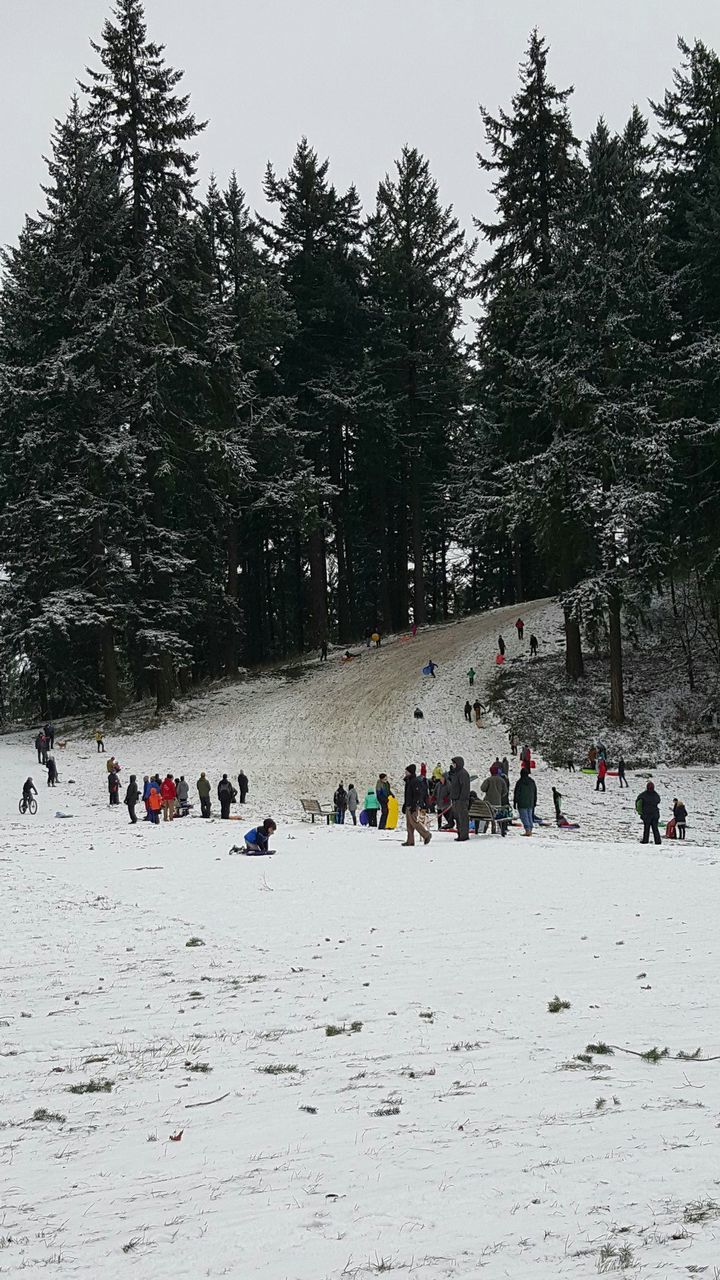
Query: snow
[[498, 1160]]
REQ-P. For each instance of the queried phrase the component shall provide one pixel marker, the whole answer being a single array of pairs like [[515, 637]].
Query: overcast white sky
[[359, 77]]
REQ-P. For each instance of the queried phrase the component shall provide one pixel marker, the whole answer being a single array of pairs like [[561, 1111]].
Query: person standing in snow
[[203, 790], [100, 740], [52, 771], [468, 712], [443, 804], [501, 646], [411, 807], [168, 791], [353, 801], [570, 764], [49, 730], [340, 800], [371, 806], [512, 737], [417, 713], [225, 794], [505, 766], [431, 668], [183, 795], [471, 677], [601, 774], [132, 796], [533, 646], [324, 651], [495, 790], [648, 806], [525, 799], [477, 708], [114, 786], [557, 797], [520, 628], [382, 795], [243, 786], [680, 816], [459, 780], [621, 774]]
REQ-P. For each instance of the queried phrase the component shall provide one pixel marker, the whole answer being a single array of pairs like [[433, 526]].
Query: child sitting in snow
[[256, 841]]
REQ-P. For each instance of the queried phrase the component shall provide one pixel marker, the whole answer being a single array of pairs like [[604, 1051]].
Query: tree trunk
[[165, 683], [43, 698], [574, 665], [318, 584], [111, 685], [617, 696], [419, 609], [231, 652], [444, 575], [518, 575]]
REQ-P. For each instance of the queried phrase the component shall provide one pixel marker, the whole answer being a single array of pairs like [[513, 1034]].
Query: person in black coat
[[226, 795], [459, 780], [132, 795], [468, 713], [621, 774], [680, 816], [243, 785], [501, 646], [114, 786], [412, 800], [52, 771], [648, 803]]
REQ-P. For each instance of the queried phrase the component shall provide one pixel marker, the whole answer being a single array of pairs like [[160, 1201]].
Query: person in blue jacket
[[256, 841]]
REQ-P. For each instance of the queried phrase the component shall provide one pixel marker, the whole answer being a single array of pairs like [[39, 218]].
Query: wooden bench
[[312, 809], [484, 812]]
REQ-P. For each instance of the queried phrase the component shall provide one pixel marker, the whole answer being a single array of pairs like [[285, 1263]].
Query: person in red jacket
[[601, 772], [168, 791], [520, 628]]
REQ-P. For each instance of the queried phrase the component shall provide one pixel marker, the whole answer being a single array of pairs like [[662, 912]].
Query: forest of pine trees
[[226, 438]]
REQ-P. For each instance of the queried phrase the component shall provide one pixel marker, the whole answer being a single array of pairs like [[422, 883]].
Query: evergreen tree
[[70, 483], [532, 153], [419, 272], [315, 244]]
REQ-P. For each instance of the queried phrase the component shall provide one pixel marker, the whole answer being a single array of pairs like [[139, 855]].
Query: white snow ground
[[447, 1136]]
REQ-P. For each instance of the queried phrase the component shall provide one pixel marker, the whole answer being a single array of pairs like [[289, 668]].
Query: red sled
[[670, 830]]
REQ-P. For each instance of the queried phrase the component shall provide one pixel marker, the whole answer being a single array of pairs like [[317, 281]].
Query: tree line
[[226, 438]]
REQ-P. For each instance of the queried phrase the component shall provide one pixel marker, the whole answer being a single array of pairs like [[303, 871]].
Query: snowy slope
[[454, 1133]]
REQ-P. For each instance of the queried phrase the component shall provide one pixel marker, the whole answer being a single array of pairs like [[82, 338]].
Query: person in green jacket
[[471, 676], [371, 806]]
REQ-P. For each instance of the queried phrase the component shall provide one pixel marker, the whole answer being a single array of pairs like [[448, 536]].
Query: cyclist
[[29, 789]]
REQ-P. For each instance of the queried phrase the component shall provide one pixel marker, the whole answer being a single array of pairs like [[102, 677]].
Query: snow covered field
[[448, 1129]]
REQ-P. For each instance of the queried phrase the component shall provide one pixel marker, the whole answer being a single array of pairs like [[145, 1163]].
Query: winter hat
[[650, 786], [459, 761], [411, 768]]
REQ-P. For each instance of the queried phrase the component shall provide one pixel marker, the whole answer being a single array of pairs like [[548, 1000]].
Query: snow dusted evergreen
[[227, 438]]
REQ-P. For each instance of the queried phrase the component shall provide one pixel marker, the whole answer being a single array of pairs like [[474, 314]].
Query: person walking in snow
[[601, 774], [557, 798], [505, 766], [459, 780], [353, 801], [52, 771], [340, 801], [520, 628], [525, 799], [468, 712], [477, 709], [431, 668], [49, 730], [411, 809], [243, 786], [132, 795], [203, 789], [648, 806], [533, 646], [226, 795], [570, 764], [501, 646], [471, 677], [621, 774], [512, 738], [680, 816], [382, 795]]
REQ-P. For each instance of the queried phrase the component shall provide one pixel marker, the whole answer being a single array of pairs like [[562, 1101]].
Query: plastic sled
[[592, 771], [427, 671], [392, 817], [568, 826], [364, 820], [499, 659]]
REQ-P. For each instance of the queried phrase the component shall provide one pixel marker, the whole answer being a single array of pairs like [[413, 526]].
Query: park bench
[[312, 809]]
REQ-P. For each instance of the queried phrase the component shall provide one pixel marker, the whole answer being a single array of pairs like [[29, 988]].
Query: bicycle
[[27, 805]]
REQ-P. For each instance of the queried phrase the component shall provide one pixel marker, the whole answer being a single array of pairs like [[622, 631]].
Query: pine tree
[[687, 190], [315, 244], [69, 477], [419, 273], [533, 157]]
